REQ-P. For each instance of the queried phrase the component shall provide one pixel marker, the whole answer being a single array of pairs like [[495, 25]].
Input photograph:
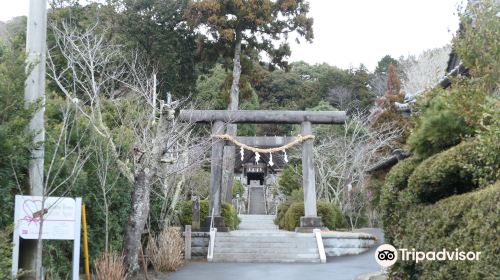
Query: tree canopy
[[258, 24]]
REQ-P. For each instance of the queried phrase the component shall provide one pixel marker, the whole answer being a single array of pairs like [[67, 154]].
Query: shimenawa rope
[[298, 139]]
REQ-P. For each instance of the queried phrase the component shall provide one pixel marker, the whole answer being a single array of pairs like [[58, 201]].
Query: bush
[[331, 216], [487, 152], [227, 212], [443, 174], [467, 222], [5, 253], [395, 181], [290, 179], [185, 212], [280, 215], [166, 250], [238, 188], [292, 216], [231, 219], [110, 266], [438, 128]]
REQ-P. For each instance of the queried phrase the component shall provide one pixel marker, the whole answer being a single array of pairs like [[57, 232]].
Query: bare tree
[[425, 71], [378, 84], [117, 96], [67, 157], [341, 97], [342, 161], [103, 164]]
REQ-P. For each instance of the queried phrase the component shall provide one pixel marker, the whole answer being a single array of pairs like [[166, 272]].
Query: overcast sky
[[350, 32]]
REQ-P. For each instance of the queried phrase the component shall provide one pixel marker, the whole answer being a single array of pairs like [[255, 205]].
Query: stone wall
[[347, 243], [199, 245]]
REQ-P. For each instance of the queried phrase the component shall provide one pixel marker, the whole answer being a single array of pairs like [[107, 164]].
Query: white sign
[[58, 217], [61, 220]]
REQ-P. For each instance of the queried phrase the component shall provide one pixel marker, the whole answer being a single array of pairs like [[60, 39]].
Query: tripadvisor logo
[[387, 255]]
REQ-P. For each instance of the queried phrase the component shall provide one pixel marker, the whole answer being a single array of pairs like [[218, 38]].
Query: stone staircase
[[256, 202], [265, 247], [259, 240], [257, 222]]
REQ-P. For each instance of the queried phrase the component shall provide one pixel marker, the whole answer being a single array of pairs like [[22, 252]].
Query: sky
[[350, 32]]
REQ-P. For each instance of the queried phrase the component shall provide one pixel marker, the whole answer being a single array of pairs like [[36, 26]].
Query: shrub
[[5, 253], [487, 152], [166, 250], [238, 188], [280, 215], [227, 212], [231, 219], [109, 266], [395, 181], [292, 216], [186, 211], [331, 216], [296, 196], [443, 174], [438, 129], [467, 222], [290, 179]]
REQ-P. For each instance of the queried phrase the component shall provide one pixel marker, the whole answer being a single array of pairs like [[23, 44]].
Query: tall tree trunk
[[229, 152], [146, 167], [235, 86], [137, 219]]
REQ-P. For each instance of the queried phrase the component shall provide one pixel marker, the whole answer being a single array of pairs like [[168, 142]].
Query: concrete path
[[337, 268]]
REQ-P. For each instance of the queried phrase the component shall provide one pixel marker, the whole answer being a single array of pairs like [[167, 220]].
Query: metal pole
[[34, 96], [85, 243], [35, 88], [76, 242]]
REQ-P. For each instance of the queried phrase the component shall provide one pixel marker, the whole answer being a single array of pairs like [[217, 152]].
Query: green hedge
[[288, 216], [230, 216], [438, 129], [444, 174], [185, 212], [5, 253], [395, 181], [227, 212], [280, 215], [467, 222]]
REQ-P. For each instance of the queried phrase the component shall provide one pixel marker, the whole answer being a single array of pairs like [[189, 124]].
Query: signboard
[[61, 221], [58, 217], [255, 170]]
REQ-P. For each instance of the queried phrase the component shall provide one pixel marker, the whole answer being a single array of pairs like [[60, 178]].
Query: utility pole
[[36, 40]]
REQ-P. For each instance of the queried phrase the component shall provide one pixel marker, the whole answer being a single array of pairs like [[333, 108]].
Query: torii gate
[[305, 118]]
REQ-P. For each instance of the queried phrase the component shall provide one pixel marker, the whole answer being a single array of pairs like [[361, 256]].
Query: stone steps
[[266, 250], [266, 258], [265, 246], [269, 260], [257, 222], [256, 200]]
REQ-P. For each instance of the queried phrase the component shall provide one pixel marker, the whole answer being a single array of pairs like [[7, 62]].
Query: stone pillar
[[310, 219], [187, 243], [215, 180], [228, 173], [216, 170], [195, 217]]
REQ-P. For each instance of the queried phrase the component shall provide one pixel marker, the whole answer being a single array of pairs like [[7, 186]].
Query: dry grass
[[166, 250], [109, 266]]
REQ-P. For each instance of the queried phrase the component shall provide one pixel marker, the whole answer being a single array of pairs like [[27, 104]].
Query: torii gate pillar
[[310, 219], [215, 182]]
